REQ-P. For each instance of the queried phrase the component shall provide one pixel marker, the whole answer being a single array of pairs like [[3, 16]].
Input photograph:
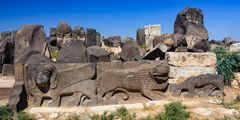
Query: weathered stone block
[[8, 69], [188, 71], [183, 65], [91, 37], [180, 59]]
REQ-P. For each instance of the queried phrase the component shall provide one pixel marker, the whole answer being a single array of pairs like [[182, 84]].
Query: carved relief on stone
[[202, 85], [62, 84], [117, 80]]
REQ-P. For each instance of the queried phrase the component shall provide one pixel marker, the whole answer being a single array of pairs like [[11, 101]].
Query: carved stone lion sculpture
[[144, 78], [74, 81], [207, 83]]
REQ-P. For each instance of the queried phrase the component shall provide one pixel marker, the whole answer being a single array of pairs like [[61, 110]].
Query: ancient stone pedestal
[[186, 64]]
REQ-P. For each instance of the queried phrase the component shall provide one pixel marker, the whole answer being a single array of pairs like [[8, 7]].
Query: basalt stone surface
[[73, 51], [96, 54], [7, 42], [8, 70], [208, 84], [91, 37], [63, 28], [141, 37], [130, 53], [29, 37], [166, 39], [189, 26], [117, 80], [62, 84]]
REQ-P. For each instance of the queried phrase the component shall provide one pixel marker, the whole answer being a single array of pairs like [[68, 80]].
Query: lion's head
[[41, 75]]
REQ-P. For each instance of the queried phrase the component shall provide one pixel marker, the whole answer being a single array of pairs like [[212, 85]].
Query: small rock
[[235, 83], [238, 98], [86, 117], [38, 116], [41, 119], [202, 111], [54, 116], [228, 111], [141, 114], [215, 101]]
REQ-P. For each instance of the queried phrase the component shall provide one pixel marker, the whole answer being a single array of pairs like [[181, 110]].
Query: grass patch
[[174, 111], [236, 117], [7, 114], [232, 105], [24, 116], [73, 117]]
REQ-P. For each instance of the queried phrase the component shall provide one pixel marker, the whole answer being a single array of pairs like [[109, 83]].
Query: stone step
[[101, 109]]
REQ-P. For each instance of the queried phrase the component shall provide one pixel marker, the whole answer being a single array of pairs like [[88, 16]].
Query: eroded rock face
[[91, 37], [130, 53], [63, 28], [141, 37], [29, 37], [189, 27], [73, 51], [96, 54]]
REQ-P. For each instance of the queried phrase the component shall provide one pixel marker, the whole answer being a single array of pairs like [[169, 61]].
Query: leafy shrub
[[227, 63], [5, 113], [124, 114], [24, 116], [173, 111]]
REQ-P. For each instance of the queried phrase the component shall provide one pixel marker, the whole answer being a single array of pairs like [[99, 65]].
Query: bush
[[227, 63], [173, 111], [5, 113], [24, 116], [124, 114]]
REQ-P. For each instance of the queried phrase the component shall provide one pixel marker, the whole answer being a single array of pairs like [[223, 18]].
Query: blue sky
[[120, 17]]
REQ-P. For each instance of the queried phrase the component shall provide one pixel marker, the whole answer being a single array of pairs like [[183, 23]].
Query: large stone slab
[[183, 65], [180, 59]]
